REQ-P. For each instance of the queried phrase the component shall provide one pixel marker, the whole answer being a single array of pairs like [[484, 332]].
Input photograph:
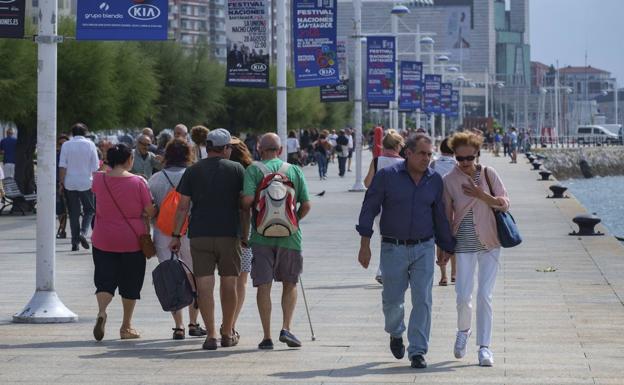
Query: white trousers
[[464, 285], [9, 170]]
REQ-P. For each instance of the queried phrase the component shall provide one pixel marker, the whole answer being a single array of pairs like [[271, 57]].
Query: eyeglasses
[[468, 158], [144, 144]]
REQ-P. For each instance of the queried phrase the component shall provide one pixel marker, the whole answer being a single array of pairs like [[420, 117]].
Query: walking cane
[[305, 301]]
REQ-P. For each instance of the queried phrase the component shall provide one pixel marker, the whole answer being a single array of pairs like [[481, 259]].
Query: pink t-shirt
[[111, 232]]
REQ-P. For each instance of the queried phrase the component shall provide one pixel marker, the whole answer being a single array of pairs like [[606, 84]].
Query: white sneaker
[[486, 357], [460, 343]]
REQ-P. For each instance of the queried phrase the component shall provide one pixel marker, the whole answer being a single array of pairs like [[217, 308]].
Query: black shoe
[[194, 330], [266, 344], [397, 348], [83, 241], [74, 248], [289, 339], [61, 235], [418, 361], [178, 333]]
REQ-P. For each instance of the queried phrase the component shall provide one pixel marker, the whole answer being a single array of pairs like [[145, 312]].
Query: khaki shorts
[[275, 263], [209, 253]]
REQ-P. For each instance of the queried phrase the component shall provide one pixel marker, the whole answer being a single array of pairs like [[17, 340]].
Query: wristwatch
[[174, 235]]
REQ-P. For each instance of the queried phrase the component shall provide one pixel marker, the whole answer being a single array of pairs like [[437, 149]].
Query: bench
[[14, 198]]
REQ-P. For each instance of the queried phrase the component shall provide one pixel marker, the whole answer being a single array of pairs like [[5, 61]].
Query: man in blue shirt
[[413, 217], [7, 148]]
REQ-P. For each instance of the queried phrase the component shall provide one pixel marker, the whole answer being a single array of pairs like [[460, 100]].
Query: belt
[[407, 242]]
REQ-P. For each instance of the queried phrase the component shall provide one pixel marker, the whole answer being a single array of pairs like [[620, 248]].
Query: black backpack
[[173, 289]]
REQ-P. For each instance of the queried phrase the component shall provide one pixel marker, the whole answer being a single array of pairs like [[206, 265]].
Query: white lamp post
[[357, 94], [442, 59], [282, 97]]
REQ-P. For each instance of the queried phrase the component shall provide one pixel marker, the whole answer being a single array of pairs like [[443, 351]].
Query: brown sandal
[[443, 282], [178, 333], [128, 334], [98, 329]]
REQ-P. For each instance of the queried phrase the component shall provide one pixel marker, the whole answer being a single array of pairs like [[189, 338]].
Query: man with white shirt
[[77, 163]]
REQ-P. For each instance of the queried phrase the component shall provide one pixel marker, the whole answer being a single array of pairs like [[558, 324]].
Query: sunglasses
[[469, 158]]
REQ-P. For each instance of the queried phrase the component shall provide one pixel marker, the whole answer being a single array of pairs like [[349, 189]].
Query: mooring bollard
[[558, 191], [532, 158], [536, 165], [586, 224], [545, 174], [540, 157], [528, 154]]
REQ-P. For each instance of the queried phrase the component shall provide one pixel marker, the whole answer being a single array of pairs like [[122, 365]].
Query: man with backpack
[[217, 228], [273, 189]]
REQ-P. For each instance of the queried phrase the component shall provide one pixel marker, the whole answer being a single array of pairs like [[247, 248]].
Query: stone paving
[[561, 327]]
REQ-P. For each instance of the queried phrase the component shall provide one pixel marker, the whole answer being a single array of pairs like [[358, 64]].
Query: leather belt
[[406, 242]]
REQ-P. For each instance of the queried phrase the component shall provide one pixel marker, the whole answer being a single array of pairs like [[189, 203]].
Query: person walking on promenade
[[404, 192], [8, 147], [469, 205], [351, 137], [198, 136], [506, 144], [177, 158], [61, 204], [145, 162], [124, 206], [213, 186], [342, 151], [498, 139], [150, 133], [293, 148], [322, 149], [180, 131], [242, 155], [77, 163], [392, 145], [443, 165], [276, 258], [513, 145]]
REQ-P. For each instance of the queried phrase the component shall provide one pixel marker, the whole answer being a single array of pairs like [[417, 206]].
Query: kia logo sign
[[258, 67], [144, 12], [327, 71]]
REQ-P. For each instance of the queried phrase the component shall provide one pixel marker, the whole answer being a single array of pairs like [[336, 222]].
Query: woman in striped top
[[469, 202]]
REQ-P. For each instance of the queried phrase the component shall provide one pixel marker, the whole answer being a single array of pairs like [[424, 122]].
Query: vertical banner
[[411, 85], [338, 92], [247, 30], [12, 18], [122, 20], [314, 42], [433, 84], [455, 103], [380, 73], [445, 98]]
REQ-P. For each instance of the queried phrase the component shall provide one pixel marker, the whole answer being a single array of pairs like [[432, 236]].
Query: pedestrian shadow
[[369, 369]]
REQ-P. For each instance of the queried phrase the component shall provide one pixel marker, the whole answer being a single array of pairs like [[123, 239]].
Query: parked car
[[596, 134]]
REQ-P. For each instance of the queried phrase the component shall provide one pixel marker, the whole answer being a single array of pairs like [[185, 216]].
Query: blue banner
[[314, 43], [122, 19], [378, 105], [12, 18], [433, 84], [455, 104], [381, 73], [411, 85], [445, 98]]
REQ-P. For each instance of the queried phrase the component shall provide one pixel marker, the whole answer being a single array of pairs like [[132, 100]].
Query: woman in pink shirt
[[469, 205], [123, 206]]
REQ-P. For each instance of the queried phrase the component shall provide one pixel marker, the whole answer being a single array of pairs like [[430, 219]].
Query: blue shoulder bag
[[508, 233]]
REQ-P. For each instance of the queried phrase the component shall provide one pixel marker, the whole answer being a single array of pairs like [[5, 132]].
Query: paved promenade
[[561, 327]]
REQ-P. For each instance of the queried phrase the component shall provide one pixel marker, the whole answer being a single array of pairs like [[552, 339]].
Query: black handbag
[[508, 233]]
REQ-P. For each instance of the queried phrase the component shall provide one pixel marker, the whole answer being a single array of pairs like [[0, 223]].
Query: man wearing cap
[[217, 229]]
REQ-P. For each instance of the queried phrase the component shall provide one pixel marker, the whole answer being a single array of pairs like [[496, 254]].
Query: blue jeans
[[77, 202], [321, 161], [400, 266]]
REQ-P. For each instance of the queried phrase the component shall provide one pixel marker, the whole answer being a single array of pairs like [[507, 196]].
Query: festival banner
[[380, 73], [314, 43], [12, 18], [378, 105], [455, 104], [247, 28], [433, 84], [338, 92], [122, 20], [411, 86], [445, 98]]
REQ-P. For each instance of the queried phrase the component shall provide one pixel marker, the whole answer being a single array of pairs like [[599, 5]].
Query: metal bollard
[[545, 174], [536, 165], [558, 191], [586, 224]]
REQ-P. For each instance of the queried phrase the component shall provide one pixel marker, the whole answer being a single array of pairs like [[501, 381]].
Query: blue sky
[[565, 29]]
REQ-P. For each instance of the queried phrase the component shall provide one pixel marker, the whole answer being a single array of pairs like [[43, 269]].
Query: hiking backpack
[[167, 211], [275, 203], [173, 289]]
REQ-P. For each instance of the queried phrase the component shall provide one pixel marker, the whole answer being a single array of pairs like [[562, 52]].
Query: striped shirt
[[467, 240]]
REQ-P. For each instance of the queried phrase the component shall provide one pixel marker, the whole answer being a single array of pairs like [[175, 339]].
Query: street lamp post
[[282, 97], [357, 95]]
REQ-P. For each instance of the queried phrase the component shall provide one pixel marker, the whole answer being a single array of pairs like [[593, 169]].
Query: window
[[584, 130]]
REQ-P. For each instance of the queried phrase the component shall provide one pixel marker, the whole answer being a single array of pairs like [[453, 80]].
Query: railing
[[572, 141]]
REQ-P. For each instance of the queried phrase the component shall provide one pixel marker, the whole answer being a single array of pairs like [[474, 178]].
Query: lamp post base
[[45, 307], [358, 187]]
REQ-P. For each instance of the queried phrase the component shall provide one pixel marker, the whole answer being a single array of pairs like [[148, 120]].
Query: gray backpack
[[173, 289]]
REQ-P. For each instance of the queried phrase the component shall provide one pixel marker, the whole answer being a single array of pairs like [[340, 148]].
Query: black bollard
[[540, 157], [545, 174], [586, 225], [557, 191], [536, 165], [532, 158], [528, 154], [586, 169]]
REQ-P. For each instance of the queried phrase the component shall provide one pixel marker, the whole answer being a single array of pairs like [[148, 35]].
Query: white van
[[596, 134]]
